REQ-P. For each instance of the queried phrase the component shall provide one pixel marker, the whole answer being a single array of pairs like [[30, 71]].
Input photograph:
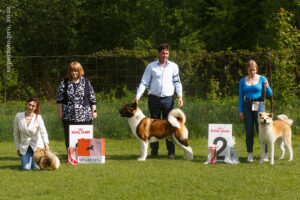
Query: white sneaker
[[266, 158], [250, 158]]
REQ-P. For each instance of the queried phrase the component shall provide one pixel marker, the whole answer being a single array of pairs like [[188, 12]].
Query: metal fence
[[42, 74]]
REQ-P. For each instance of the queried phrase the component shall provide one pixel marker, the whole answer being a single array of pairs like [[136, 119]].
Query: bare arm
[[59, 111]]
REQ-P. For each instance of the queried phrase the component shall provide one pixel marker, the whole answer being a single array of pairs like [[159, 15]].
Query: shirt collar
[[158, 63]]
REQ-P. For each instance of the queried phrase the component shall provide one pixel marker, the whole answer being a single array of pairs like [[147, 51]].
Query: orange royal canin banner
[[91, 150]]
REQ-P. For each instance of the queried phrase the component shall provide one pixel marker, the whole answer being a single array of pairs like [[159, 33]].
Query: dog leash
[[265, 97]]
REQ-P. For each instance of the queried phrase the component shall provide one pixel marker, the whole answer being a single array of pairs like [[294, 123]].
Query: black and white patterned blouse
[[76, 100]]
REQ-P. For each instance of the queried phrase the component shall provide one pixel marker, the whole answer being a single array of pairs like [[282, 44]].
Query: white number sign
[[219, 135]]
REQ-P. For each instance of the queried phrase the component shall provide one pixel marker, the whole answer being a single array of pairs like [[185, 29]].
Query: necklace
[[28, 117], [251, 80]]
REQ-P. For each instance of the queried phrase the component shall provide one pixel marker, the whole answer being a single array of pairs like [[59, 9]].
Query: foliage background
[[80, 27], [114, 40], [211, 41]]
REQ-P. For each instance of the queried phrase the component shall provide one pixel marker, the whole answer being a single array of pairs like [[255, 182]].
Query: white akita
[[271, 131]]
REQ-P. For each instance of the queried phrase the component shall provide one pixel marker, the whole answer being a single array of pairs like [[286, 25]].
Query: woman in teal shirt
[[251, 87]]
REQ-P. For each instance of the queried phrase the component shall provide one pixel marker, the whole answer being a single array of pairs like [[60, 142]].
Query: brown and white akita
[[271, 131], [150, 130]]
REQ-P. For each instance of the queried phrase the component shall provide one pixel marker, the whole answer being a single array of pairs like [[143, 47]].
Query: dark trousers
[[157, 107], [66, 129], [251, 119]]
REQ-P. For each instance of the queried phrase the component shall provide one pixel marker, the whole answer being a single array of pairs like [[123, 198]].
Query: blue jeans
[[27, 162], [158, 106], [251, 119]]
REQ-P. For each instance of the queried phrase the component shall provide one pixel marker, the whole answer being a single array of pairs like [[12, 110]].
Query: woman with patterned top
[[76, 101]]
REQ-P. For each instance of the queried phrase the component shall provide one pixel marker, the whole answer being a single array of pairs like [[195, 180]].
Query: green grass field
[[123, 177], [109, 124]]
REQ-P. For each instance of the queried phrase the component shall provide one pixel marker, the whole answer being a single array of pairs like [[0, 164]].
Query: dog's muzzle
[[122, 113], [264, 121]]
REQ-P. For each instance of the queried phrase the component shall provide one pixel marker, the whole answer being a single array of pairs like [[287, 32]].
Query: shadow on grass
[[243, 159], [200, 159], [12, 167], [160, 157], [121, 157], [8, 158]]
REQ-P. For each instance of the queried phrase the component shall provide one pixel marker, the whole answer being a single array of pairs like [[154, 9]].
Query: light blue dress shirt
[[162, 80]]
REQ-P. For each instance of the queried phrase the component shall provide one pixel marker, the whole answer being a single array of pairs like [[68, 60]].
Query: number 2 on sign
[[222, 148]]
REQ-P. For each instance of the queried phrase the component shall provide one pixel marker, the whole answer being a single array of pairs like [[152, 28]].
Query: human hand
[[136, 100], [180, 102], [266, 84], [18, 153], [241, 115], [94, 115], [46, 147]]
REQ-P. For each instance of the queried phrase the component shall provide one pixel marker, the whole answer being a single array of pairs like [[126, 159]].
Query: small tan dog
[[45, 159], [271, 131]]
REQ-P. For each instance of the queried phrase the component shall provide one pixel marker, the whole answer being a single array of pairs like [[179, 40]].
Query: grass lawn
[[123, 177]]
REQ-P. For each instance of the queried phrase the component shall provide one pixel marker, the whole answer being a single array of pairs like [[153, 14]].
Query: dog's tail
[[54, 161], [285, 118], [176, 118]]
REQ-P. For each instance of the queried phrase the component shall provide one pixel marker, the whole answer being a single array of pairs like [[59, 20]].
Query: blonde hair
[[75, 66], [251, 63]]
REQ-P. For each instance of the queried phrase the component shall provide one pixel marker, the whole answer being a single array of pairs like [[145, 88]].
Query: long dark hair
[[37, 101]]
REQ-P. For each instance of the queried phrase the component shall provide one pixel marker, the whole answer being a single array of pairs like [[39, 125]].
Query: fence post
[[5, 94], [271, 83]]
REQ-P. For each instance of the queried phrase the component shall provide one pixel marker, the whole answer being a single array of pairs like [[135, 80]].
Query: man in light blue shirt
[[162, 76]]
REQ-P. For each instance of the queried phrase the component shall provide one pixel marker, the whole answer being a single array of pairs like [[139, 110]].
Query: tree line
[[81, 27], [196, 30]]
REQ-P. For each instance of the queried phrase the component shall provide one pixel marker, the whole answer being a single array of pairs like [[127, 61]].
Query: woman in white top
[[30, 133]]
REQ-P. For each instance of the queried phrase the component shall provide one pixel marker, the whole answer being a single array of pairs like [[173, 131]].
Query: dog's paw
[[191, 157], [261, 161], [141, 159], [281, 157]]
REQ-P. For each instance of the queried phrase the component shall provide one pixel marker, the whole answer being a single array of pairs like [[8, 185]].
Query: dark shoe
[[171, 156]]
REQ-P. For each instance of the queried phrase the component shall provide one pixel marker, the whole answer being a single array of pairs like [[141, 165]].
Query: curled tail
[[176, 118], [285, 118]]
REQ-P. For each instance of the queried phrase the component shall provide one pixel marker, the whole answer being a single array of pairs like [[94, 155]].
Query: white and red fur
[[45, 158], [275, 131], [150, 130]]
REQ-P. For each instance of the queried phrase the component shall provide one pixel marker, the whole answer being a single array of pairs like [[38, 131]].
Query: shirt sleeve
[[43, 130], [176, 81], [92, 97], [145, 82], [60, 93], [16, 133], [241, 95]]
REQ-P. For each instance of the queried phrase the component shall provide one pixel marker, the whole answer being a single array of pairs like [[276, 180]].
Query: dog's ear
[[271, 115], [260, 114]]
